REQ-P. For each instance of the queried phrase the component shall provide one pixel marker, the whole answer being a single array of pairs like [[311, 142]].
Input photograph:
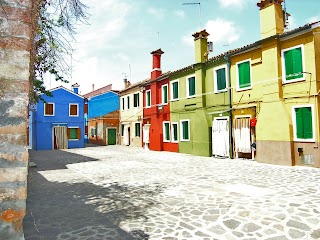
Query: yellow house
[[131, 112], [275, 92]]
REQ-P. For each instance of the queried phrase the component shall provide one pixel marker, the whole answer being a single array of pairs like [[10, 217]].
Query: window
[[166, 131], [174, 90], [303, 120], [128, 102], [220, 79], [122, 130], [136, 100], [184, 130], [293, 64], [148, 98], [244, 75], [122, 104], [137, 129], [92, 131], [165, 94], [48, 109], [174, 132], [73, 133], [73, 110], [191, 86]]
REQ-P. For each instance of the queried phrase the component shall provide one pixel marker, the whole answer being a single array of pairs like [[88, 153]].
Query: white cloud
[[222, 31], [313, 19], [234, 3], [157, 13], [179, 13]]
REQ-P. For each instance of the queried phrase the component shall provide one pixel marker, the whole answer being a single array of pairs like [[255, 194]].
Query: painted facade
[[58, 122], [103, 118], [201, 101], [131, 112], [159, 133], [275, 82]]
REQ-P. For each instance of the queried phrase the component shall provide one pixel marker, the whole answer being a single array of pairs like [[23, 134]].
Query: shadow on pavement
[[81, 210]]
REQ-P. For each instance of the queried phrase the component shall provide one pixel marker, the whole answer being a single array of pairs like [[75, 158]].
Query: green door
[[112, 136]]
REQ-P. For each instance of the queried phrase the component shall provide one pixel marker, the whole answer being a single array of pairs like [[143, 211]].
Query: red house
[[157, 132]]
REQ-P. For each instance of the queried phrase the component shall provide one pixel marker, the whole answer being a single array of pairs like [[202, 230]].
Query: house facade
[[159, 133], [103, 118], [131, 114], [275, 95], [58, 122]]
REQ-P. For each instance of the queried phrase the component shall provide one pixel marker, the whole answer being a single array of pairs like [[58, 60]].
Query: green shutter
[[167, 131], [299, 122], [175, 132], [307, 123], [175, 90], [165, 94], [185, 130], [148, 99], [221, 79], [137, 127], [244, 74], [73, 133], [192, 86], [293, 63]]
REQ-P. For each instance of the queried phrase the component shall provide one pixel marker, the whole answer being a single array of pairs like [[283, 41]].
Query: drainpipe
[[226, 57]]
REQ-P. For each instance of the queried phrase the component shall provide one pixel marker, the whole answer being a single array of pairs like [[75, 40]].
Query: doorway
[[220, 137], [111, 136]]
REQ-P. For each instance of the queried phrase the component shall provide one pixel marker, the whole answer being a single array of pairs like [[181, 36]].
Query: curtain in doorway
[[220, 137], [146, 128], [61, 139], [126, 135], [242, 139]]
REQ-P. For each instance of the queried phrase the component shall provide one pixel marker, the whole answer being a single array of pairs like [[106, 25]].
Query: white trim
[[146, 98], [181, 130], [77, 104], [187, 86], [162, 95], [156, 69], [61, 87], [294, 123], [163, 131], [138, 99], [74, 127], [171, 90], [284, 79], [243, 116], [215, 80], [172, 133], [53, 109], [237, 75]]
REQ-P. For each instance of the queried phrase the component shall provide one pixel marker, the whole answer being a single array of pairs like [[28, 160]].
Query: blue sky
[[122, 33]]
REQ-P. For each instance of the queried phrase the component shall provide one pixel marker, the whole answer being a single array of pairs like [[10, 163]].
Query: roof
[[66, 89], [99, 91], [135, 85], [161, 77]]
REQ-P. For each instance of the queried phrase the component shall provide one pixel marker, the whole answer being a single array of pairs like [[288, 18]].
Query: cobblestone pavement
[[117, 192]]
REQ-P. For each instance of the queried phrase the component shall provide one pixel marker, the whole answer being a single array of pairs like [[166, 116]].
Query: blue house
[[58, 122], [103, 117]]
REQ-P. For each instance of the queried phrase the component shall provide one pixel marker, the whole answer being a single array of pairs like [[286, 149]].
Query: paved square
[[117, 192]]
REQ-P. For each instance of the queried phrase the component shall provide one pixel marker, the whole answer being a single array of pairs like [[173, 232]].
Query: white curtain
[[61, 137], [126, 135], [146, 129], [242, 139], [220, 137]]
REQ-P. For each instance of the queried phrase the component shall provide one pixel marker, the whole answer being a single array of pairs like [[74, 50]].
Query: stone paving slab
[[118, 192]]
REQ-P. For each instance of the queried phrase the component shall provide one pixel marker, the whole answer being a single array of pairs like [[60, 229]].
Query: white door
[[220, 137]]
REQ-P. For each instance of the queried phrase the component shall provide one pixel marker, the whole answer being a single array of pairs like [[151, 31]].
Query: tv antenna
[[199, 4]]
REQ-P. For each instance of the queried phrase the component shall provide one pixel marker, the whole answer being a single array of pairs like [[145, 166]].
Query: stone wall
[[14, 87]]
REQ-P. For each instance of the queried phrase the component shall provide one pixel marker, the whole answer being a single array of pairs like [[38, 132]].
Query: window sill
[[148, 106], [193, 96], [304, 140], [294, 80], [173, 100], [221, 91], [48, 115], [166, 141], [243, 89], [72, 140], [174, 141], [73, 116], [184, 140]]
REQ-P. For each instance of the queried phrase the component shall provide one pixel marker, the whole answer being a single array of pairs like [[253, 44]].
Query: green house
[[200, 103]]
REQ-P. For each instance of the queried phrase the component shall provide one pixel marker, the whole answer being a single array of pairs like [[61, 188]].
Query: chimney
[[156, 64], [201, 46], [92, 87], [271, 17], [125, 81], [75, 88]]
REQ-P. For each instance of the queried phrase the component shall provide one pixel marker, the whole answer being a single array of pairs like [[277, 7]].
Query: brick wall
[[14, 87]]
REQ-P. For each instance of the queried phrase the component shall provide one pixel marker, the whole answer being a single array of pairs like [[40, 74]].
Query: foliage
[[53, 30]]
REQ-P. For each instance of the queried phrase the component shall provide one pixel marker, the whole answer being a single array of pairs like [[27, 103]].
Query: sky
[[121, 34]]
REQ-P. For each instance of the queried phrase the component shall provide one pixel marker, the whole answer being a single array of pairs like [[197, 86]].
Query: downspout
[[226, 57]]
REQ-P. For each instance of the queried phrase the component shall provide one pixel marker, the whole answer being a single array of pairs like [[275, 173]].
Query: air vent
[[307, 159]]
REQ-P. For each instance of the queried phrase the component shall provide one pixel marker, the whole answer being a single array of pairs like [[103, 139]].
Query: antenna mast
[[199, 4]]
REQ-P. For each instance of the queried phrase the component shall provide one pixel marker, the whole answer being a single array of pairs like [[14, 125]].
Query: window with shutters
[[164, 94], [303, 123], [185, 130], [128, 102], [123, 105], [220, 79], [48, 109], [244, 75], [136, 99], [174, 90], [148, 98], [137, 129], [174, 132], [166, 131], [293, 64], [122, 130], [191, 86], [73, 133], [73, 110]]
